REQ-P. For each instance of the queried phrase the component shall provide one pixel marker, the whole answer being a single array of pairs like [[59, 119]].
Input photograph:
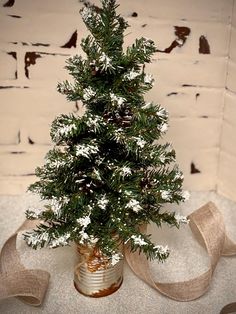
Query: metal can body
[[95, 277]]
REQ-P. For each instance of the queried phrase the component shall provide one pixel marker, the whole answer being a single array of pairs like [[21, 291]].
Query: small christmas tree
[[106, 174]]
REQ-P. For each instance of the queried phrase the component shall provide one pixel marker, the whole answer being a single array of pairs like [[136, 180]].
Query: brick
[[16, 185], [194, 133], [205, 160], [9, 131], [37, 131], [32, 102], [21, 161], [31, 115], [163, 34], [36, 28], [49, 68], [190, 101], [178, 71]]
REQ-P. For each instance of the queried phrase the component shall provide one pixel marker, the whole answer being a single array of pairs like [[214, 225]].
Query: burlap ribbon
[[28, 285], [206, 224]]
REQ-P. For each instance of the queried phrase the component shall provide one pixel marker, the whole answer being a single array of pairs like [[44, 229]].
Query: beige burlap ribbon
[[28, 285], [206, 224]]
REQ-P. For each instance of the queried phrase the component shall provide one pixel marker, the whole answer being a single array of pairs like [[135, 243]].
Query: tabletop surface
[[187, 260]]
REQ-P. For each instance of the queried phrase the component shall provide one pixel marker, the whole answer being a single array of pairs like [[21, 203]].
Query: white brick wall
[[198, 89]]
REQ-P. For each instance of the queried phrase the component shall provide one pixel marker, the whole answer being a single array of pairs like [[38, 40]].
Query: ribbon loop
[[208, 227], [28, 285]]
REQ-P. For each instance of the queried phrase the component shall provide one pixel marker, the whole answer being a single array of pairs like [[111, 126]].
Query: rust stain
[[12, 86], [54, 54], [94, 258], [76, 106], [194, 170], [105, 292], [30, 141], [19, 137], [30, 59], [72, 41], [24, 174], [40, 44], [181, 33], [204, 46], [9, 3], [15, 16], [13, 54], [171, 94], [188, 85], [27, 44], [110, 290]]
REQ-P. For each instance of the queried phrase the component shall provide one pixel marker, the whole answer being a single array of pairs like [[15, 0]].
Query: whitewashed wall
[[195, 75]]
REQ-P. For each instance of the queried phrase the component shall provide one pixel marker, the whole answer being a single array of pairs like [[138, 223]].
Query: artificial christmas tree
[[107, 175]]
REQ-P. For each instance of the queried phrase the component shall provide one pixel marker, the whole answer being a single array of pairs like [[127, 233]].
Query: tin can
[[94, 275]]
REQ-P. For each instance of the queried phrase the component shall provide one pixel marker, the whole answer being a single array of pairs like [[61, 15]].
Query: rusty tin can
[[94, 275]]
